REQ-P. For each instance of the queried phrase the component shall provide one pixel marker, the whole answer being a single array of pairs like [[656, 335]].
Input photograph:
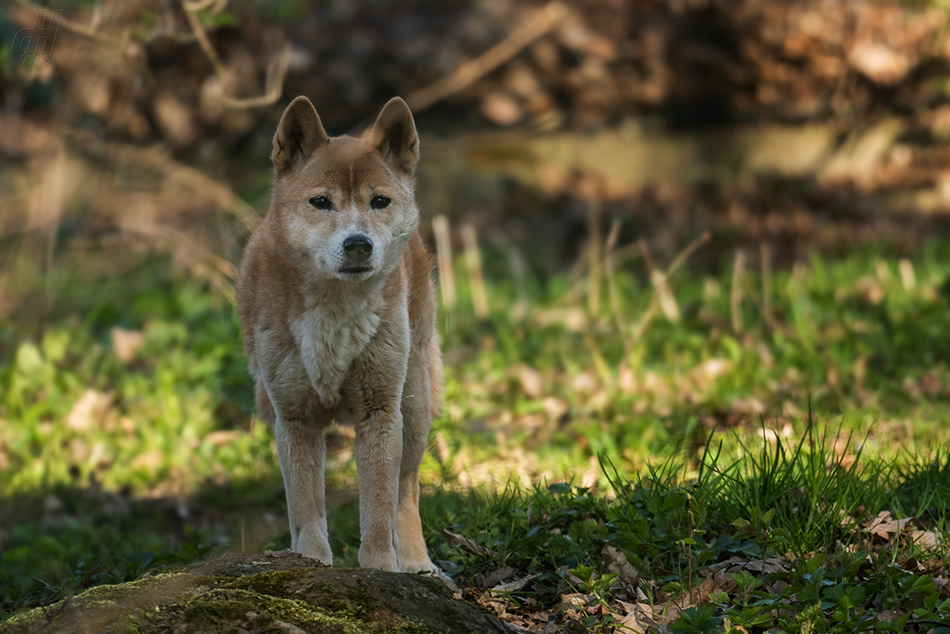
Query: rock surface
[[256, 594]]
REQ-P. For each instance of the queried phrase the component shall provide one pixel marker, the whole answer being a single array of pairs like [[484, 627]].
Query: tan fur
[[328, 341]]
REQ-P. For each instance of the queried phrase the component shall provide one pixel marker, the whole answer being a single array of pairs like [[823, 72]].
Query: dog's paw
[[314, 547], [423, 565], [379, 560]]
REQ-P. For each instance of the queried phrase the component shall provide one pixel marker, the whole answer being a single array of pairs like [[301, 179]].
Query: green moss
[[104, 600], [227, 609], [350, 604], [277, 583], [25, 621], [196, 604]]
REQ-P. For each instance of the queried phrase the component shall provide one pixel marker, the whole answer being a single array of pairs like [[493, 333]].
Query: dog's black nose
[[358, 246]]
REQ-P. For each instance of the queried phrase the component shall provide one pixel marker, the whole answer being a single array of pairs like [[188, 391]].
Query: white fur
[[329, 336]]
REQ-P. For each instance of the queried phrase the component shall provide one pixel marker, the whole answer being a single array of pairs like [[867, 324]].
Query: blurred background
[[786, 160]]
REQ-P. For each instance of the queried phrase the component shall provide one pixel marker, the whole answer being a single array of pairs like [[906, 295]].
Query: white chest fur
[[329, 337]]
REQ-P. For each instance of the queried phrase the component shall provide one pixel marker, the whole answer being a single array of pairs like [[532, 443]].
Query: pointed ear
[[394, 136], [299, 134]]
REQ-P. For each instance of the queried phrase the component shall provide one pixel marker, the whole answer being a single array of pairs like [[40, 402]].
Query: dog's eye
[[379, 202], [321, 202]]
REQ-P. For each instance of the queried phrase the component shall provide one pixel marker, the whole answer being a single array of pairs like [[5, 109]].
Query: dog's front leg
[[373, 393], [302, 451], [377, 449]]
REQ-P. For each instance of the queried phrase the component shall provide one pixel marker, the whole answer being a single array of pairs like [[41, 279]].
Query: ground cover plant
[[633, 445]]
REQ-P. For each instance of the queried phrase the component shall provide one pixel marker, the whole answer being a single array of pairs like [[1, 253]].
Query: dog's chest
[[330, 338]]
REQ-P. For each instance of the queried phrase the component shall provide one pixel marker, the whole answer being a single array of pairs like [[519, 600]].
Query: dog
[[338, 317]]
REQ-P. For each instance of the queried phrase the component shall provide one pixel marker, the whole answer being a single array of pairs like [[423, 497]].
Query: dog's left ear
[[394, 136]]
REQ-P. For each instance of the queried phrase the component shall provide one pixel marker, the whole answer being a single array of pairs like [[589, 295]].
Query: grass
[[753, 421]]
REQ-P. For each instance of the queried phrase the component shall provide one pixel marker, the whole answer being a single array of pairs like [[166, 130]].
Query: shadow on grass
[[61, 541]]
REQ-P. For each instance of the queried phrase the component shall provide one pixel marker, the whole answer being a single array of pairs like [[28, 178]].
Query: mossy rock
[[254, 594]]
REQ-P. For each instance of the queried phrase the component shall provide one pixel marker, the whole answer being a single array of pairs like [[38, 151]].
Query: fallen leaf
[[925, 539], [706, 373], [884, 525], [88, 410], [616, 562], [514, 586], [455, 539], [531, 381], [494, 577], [126, 343]]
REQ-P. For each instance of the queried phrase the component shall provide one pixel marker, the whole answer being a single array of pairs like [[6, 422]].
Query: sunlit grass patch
[[160, 402], [863, 337]]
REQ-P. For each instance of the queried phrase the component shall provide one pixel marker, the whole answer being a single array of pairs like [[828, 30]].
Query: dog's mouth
[[355, 270]]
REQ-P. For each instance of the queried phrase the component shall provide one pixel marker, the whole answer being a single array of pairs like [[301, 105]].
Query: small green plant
[[698, 620]]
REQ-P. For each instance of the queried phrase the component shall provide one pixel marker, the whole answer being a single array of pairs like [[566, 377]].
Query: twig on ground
[[518, 268], [663, 294], [654, 306], [765, 255], [735, 293], [594, 250], [609, 269], [473, 262], [443, 249]]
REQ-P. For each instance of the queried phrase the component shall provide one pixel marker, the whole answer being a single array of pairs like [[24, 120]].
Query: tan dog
[[338, 315]]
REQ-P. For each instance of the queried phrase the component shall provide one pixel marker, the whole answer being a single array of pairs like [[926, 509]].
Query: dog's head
[[346, 203]]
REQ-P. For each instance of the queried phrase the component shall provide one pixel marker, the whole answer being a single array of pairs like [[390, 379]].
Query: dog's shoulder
[[268, 291]]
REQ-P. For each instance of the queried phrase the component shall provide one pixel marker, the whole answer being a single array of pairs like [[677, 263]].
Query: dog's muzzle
[[358, 250]]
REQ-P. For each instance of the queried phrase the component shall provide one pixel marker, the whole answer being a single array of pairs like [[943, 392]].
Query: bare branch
[[468, 73]]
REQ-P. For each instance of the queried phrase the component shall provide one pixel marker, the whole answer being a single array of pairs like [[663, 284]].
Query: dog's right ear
[[299, 134]]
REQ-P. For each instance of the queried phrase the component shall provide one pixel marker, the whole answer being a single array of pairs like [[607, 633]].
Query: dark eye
[[321, 202], [379, 202]]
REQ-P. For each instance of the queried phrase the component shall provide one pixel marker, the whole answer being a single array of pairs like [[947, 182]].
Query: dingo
[[338, 317]]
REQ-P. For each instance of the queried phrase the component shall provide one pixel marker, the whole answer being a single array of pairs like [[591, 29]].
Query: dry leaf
[[494, 577], [88, 410], [454, 539], [705, 374], [642, 618], [925, 539], [884, 525], [126, 343], [750, 405], [532, 383], [615, 562], [514, 586]]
